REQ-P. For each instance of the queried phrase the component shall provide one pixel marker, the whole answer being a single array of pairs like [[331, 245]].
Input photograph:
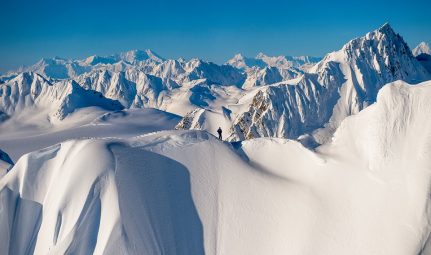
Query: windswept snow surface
[[186, 192], [19, 138]]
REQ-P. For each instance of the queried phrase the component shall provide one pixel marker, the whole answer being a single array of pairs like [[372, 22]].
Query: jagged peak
[[423, 44], [385, 26], [386, 29], [238, 56]]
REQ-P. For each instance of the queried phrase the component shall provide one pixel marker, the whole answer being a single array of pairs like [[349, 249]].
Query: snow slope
[[186, 192], [20, 138]]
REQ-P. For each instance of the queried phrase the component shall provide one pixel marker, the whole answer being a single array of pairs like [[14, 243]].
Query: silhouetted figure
[[219, 133]]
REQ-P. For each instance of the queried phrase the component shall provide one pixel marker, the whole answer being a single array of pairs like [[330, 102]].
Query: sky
[[213, 30]]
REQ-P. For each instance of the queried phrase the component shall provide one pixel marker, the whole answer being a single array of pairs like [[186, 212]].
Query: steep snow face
[[422, 48], [186, 192], [342, 84], [30, 92]]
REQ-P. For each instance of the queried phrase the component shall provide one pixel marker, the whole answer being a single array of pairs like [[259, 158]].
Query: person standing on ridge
[[219, 133]]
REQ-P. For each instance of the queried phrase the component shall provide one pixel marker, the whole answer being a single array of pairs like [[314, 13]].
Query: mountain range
[[301, 98]]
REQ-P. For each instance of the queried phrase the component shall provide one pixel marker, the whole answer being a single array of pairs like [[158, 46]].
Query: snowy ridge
[[186, 192]]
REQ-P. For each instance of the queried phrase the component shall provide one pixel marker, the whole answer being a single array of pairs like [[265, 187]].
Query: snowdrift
[[186, 192], [20, 138]]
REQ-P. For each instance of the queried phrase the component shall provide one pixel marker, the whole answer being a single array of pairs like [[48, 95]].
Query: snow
[[186, 192], [422, 48], [20, 138], [117, 154]]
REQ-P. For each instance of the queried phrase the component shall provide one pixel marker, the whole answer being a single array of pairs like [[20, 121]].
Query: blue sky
[[213, 30]]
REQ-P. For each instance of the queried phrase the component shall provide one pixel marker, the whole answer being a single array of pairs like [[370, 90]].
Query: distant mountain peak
[[422, 48], [140, 55]]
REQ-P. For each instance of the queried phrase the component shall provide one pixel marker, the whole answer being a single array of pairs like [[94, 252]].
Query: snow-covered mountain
[[135, 56], [31, 94], [186, 192], [341, 84], [423, 47], [134, 89]]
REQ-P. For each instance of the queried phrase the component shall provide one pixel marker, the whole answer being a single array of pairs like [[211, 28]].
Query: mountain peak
[[238, 56], [386, 29], [422, 48], [140, 55], [386, 25]]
